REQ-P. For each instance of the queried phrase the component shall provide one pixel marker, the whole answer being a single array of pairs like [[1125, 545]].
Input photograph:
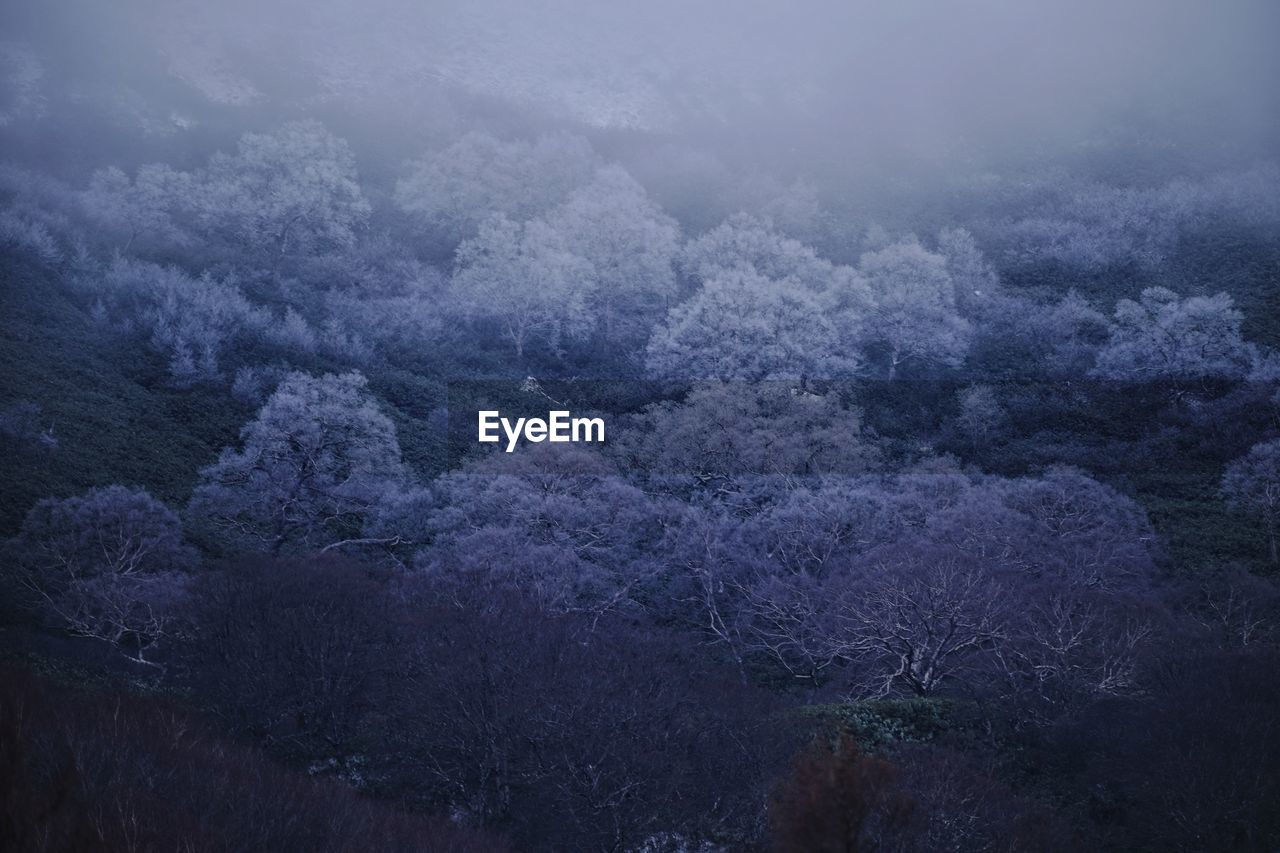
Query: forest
[[938, 347]]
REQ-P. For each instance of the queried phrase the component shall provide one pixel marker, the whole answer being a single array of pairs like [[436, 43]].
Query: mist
[[831, 88]]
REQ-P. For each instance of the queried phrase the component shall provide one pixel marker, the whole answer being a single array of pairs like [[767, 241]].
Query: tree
[[958, 805], [283, 194], [1193, 760], [1074, 332], [768, 308], [191, 321], [149, 207], [524, 278], [746, 243], [1083, 533], [912, 317], [574, 735], [975, 281], [1081, 645], [726, 430], [455, 190], [313, 465], [928, 582], [108, 564], [1237, 609], [631, 246], [1163, 335], [980, 413], [291, 192], [1252, 484], [1018, 336], [560, 526], [819, 531], [793, 209], [742, 325], [296, 650], [918, 618]]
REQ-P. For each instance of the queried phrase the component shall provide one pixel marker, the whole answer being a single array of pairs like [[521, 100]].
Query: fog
[[825, 87]]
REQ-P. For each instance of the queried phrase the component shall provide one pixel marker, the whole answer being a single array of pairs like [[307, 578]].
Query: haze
[[828, 89]]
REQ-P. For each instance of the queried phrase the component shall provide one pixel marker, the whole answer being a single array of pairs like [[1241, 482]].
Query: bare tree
[[109, 564], [920, 620], [1252, 483]]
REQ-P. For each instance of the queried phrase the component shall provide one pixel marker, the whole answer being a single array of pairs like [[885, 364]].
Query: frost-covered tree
[[148, 208], [312, 467], [912, 318], [631, 245], [291, 192], [975, 281], [191, 321], [723, 430], [903, 584], [1019, 336], [817, 530], [454, 190], [746, 243], [1073, 333], [980, 412], [1164, 335], [524, 279], [1252, 484], [26, 235], [561, 525], [107, 564], [742, 325], [1083, 533]]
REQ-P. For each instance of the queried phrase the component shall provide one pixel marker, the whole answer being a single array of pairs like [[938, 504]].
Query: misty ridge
[[938, 346]]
